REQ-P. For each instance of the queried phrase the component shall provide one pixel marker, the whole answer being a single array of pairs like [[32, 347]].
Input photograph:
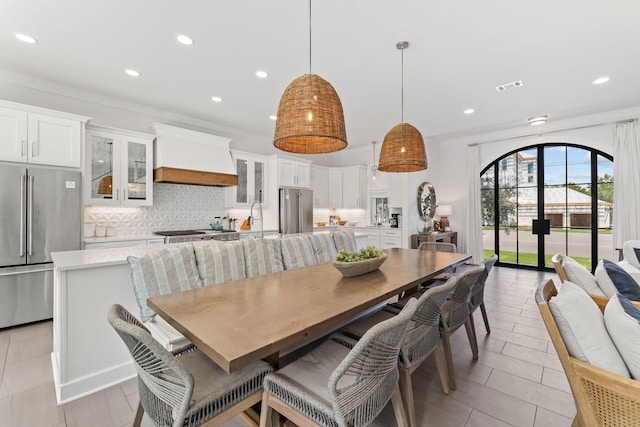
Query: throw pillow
[[581, 325], [582, 277], [220, 262], [631, 252], [622, 319], [162, 272], [613, 279], [297, 252]]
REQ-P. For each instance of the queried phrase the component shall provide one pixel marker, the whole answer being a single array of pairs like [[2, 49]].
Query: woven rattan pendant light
[[310, 118], [403, 147]]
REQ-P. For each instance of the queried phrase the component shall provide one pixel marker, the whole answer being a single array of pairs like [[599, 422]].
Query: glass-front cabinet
[[252, 172], [119, 167]]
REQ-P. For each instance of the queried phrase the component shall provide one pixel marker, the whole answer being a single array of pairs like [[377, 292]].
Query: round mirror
[[426, 201]]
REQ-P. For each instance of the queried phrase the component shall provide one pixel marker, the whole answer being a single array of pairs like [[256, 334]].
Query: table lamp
[[444, 211]]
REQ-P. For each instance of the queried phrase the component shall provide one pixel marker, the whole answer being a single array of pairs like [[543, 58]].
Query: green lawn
[[553, 230], [532, 259]]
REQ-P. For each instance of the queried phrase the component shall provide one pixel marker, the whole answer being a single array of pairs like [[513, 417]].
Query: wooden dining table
[[239, 322]]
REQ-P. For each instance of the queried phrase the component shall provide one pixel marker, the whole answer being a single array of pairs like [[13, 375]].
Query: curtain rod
[[551, 131]]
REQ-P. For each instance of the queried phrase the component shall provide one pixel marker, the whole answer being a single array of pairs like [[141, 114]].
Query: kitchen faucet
[[261, 217]]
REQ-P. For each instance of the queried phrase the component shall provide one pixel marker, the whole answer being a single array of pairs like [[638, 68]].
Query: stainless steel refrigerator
[[296, 210], [40, 213]]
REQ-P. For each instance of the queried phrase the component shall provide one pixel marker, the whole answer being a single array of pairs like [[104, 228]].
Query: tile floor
[[517, 381]]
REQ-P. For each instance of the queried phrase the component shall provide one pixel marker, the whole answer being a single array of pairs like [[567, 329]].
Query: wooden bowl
[[321, 224], [342, 222], [356, 268]]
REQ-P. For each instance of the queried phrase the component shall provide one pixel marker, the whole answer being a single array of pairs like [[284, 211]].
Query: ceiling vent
[[503, 87]]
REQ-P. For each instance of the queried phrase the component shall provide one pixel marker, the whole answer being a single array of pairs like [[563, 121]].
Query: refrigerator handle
[[300, 216], [23, 200], [285, 219], [30, 220]]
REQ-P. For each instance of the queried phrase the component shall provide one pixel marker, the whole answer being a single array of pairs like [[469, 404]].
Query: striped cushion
[[262, 256], [297, 252], [323, 247], [162, 272], [345, 240], [219, 262]]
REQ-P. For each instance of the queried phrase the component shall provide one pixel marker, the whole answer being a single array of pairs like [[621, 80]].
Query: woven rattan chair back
[[423, 333], [370, 371], [438, 247], [477, 291], [164, 385], [456, 309], [602, 398]]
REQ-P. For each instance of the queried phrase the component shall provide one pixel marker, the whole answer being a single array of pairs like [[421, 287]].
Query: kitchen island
[[88, 355]]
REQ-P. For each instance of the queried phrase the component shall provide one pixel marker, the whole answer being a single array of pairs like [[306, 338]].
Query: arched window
[[547, 199]]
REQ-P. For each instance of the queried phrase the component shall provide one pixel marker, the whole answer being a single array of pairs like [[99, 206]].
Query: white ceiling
[[459, 52]]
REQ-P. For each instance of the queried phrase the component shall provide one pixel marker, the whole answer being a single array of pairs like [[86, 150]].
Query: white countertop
[[122, 238], [91, 258]]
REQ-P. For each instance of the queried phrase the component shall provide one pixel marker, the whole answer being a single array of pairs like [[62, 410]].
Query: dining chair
[[438, 247], [420, 341], [455, 313], [477, 293], [185, 388], [342, 382]]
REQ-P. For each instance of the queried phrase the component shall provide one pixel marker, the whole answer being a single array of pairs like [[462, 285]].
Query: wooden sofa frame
[[602, 398]]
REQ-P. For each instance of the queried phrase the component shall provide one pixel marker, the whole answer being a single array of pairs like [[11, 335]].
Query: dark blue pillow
[[622, 280], [637, 252], [629, 308]]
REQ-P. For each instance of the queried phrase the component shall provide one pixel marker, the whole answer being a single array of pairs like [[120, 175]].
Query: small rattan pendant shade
[[403, 150], [106, 184], [310, 118]]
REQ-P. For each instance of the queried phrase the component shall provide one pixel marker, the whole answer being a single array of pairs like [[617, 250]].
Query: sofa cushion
[[262, 256], [581, 325], [613, 279], [219, 262], [582, 277], [622, 319], [631, 252], [297, 252], [345, 240], [167, 270], [324, 248]]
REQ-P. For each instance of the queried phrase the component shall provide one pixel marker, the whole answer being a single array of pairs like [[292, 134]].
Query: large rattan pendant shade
[[310, 118], [403, 150], [403, 147]]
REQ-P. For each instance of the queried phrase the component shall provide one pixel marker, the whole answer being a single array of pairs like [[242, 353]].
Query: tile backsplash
[[175, 207]]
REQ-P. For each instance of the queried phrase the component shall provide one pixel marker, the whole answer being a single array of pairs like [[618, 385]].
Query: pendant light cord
[[309, 36], [402, 84]]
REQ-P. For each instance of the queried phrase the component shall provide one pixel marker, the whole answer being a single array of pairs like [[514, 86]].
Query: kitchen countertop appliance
[[41, 213], [296, 210], [180, 236]]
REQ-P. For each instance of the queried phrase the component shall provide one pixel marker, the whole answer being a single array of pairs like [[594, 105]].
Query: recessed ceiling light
[[262, 74], [132, 73], [184, 39], [600, 80], [216, 99], [25, 38], [537, 120], [272, 117], [469, 111]]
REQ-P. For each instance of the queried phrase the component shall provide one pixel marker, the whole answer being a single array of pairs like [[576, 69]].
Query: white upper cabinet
[[38, 136], [354, 187], [252, 176], [294, 173], [320, 186], [335, 187], [119, 167]]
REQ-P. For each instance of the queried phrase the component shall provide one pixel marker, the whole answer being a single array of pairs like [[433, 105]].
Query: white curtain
[[626, 189], [474, 216]]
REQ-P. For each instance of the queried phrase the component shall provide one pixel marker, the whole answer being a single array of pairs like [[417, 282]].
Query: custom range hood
[[182, 156]]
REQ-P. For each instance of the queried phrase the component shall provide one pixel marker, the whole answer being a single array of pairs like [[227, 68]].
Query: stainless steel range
[[178, 236]]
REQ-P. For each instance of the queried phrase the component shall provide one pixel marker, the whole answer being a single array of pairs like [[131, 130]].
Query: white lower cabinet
[[382, 238], [390, 239]]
